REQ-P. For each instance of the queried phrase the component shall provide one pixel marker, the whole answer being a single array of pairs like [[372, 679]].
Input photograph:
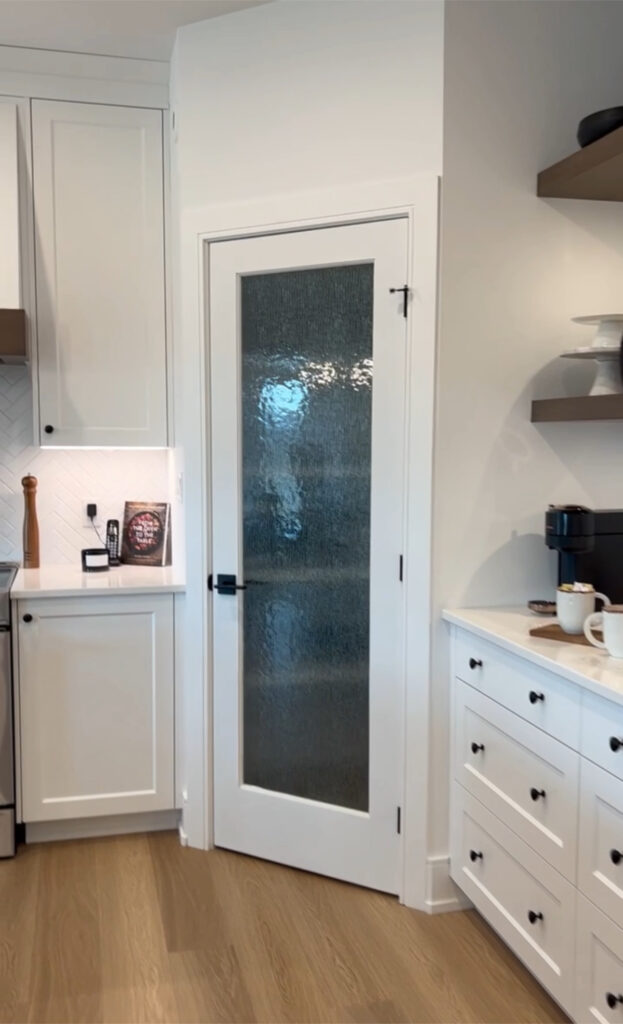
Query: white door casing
[[354, 845], [424, 878]]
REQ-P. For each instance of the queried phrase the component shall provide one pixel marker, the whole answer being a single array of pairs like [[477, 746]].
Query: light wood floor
[[138, 929]]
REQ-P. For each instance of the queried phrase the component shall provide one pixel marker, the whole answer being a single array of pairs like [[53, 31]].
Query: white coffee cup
[[610, 620], [573, 607]]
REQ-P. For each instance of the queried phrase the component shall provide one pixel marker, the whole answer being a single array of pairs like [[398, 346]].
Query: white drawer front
[[528, 779], [602, 733], [550, 703], [511, 886], [599, 967], [600, 865]]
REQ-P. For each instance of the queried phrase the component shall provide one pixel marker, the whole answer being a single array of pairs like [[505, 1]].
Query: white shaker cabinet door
[[95, 681], [10, 292], [599, 967], [99, 242]]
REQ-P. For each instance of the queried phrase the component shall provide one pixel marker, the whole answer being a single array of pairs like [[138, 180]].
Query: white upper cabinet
[[9, 209], [99, 247]]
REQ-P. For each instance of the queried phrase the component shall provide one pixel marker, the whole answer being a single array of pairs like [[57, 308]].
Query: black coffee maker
[[589, 545]]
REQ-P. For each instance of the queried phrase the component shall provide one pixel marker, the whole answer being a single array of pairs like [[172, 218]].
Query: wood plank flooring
[[137, 928]]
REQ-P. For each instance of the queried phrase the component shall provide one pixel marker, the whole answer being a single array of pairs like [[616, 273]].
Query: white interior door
[[307, 369]]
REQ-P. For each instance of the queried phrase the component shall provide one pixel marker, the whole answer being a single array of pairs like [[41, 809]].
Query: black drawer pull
[[536, 793], [27, 617], [533, 696], [475, 855], [475, 663], [612, 1000], [49, 429], [615, 743], [616, 856], [533, 916], [476, 747]]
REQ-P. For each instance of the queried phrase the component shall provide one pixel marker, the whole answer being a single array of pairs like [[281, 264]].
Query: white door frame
[[416, 198]]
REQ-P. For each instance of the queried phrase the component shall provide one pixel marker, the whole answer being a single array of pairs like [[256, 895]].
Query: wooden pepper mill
[[31, 526]]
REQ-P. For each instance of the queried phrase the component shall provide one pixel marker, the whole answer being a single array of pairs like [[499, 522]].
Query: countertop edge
[[127, 591], [57, 581], [581, 679]]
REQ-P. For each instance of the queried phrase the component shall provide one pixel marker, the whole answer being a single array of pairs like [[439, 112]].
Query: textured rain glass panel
[[307, 403]]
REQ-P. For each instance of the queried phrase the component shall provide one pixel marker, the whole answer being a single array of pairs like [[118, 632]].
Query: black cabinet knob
[[49, 429], [475, 855], [475, 663], [476, 747], [536, 793], [533, 696], [613, 1000], [534, 916], [27, 617], [616, 856], [615, 743]]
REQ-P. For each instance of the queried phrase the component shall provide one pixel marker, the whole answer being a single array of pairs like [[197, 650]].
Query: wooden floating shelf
[[583, 407], [595, 172]]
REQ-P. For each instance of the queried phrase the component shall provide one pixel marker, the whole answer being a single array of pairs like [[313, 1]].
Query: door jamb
[[417, 199]]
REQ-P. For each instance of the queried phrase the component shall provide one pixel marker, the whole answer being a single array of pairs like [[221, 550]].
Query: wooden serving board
[[554, 632]]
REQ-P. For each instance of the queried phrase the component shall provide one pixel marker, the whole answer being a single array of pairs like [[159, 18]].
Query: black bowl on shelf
[[595, 126]]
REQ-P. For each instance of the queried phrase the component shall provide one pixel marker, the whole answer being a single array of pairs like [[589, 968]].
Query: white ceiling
[[119, 28]]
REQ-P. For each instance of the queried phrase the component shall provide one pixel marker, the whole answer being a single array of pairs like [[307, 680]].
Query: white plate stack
[[604, 350]]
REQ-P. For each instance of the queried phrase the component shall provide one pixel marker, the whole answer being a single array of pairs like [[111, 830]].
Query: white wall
[[514, 269], [284, 98], [291, 96]]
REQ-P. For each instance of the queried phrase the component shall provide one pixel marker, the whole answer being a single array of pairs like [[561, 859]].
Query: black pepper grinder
[[112, 541]]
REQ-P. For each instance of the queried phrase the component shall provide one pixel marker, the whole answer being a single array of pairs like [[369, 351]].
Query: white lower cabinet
[[527, 778], [529, 903], [537, 822], [96, 699], [600, 869], [602, 733], [548, 702], [599, 967]]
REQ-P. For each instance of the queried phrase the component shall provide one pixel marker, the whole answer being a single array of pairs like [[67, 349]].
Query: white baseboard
[[107, 825], [442, 895]]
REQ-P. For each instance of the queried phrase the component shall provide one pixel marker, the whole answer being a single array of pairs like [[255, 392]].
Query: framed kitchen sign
[[146, 533]]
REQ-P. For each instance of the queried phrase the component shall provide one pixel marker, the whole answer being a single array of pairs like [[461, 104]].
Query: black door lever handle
[[225, 584]]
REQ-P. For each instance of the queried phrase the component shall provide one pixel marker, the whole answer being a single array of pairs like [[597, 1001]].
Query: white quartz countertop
[[510, 628], [70, 581]]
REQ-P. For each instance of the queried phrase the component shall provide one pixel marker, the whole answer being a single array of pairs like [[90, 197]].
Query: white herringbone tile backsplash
[[67, 480]]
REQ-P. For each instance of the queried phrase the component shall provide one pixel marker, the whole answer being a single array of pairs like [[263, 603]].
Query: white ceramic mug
[[573, 607], [610, 620]]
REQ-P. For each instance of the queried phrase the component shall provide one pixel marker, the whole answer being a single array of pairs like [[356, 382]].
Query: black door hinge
[[398, 821], [401, 568], [405, 297]]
